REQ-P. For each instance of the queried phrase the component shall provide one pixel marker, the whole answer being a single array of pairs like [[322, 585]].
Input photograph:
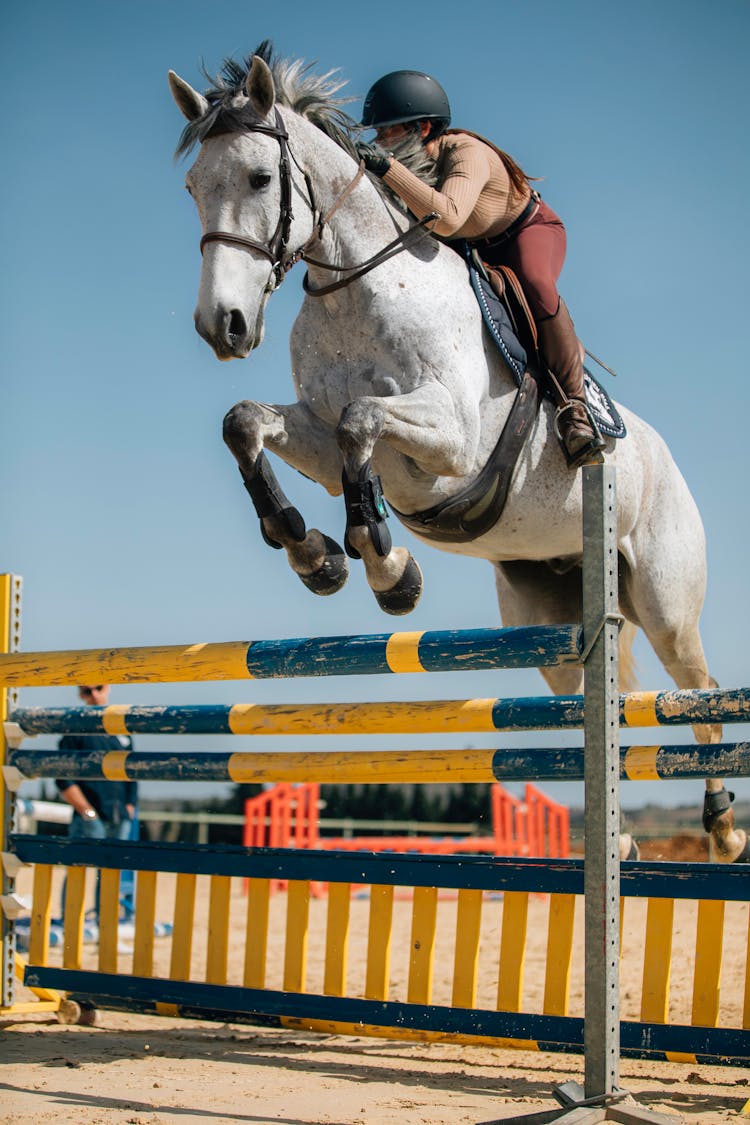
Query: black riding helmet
[[403, 96]]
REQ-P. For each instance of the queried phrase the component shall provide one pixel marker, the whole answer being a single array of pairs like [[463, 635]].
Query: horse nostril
[[236, 326]]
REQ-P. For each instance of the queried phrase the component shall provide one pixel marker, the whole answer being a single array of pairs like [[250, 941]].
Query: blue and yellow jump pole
[[541, 646], [450, 716], [401, 767]]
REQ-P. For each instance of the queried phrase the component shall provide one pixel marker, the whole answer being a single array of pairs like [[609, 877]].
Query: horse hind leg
[[532, 593], [675, 638], [727, 844], [684, 659], [318, 560]]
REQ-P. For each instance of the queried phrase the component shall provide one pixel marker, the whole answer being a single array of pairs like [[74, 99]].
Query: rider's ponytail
[[518, 177]]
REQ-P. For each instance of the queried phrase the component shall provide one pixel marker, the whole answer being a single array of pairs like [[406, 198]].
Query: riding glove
[[375, 158]]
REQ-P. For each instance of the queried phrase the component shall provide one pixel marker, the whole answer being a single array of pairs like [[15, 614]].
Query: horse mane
[[313, 96]]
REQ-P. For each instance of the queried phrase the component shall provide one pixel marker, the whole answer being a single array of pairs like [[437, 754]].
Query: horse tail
[[628, 664]]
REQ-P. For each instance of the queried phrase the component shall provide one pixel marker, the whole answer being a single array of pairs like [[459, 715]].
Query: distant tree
[[424, 808], [235, 802], [395, 803], [366, 802], [469, 803], [334, 798]]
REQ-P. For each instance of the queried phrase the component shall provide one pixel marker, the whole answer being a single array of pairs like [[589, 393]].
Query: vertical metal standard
[[10, 635], [601, 761]]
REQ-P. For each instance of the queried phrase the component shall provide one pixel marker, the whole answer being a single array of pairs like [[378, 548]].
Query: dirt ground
[[145, 1070], [685, 848]]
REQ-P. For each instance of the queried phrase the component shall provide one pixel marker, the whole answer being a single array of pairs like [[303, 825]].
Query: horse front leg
[[417, 425], [308, 445]]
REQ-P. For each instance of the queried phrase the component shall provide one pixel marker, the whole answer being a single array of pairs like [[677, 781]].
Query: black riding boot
[[578, 433]]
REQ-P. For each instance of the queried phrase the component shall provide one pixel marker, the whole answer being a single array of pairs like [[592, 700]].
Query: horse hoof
[[332, 574], [402, 597], [733, 847], [629, 849], [734, 850]]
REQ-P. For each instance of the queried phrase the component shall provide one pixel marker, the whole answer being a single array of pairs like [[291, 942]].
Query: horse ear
[[259, 86], [192, 104]]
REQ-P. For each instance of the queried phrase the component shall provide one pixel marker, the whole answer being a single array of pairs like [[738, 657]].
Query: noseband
[[276, 250]]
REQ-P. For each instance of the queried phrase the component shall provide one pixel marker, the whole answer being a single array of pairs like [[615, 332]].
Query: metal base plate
[[576, 1109]]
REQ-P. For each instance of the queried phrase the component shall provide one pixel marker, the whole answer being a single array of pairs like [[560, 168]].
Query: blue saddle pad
[[499, 325]]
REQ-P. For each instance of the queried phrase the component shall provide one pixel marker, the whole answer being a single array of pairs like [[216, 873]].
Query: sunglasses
[[92, 689]]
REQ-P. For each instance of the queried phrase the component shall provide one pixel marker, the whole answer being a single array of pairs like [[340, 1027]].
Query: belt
[[515, 226]]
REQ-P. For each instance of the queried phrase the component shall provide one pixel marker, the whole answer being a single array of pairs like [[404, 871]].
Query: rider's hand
[[375, 158]]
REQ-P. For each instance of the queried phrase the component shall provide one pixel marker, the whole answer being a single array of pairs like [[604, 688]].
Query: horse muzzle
[[229, 334]]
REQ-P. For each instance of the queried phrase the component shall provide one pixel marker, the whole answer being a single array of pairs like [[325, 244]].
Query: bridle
[[277, 248]]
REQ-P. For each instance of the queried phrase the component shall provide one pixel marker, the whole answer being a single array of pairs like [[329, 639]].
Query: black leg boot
[[578, 433]]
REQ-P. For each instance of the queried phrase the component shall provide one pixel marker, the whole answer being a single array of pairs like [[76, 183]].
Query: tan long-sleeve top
[[476, 199]]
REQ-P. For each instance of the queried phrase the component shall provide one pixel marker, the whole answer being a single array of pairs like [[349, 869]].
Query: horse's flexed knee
[[316, 558]]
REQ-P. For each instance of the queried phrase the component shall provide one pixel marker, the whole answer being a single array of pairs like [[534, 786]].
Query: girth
[[477, 508]]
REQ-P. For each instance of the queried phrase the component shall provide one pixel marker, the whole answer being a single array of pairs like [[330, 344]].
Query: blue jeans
[[82, 829]]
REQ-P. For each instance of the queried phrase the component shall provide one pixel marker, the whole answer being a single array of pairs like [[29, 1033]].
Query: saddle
[[508, 318]]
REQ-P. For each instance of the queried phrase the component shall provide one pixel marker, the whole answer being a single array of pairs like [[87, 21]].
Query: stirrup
[[592, 452]]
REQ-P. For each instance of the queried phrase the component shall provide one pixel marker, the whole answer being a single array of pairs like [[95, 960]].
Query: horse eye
[[259, 180]]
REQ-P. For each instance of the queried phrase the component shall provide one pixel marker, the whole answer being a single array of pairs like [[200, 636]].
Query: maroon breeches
[[536, 255]]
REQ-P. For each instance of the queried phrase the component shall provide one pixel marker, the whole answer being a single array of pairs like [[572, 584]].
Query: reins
[[323, 221], [400, 243], [276, 249]]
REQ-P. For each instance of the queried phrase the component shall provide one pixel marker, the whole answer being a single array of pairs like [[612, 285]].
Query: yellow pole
[[12, 965], [8, 969], [10, 615], [161, 663], [8, 584]]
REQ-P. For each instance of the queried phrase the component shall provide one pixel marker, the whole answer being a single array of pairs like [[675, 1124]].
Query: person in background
[[101, 809], [484, 198]]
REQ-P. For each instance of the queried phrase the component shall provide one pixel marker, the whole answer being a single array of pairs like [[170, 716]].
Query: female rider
[[485, 199]]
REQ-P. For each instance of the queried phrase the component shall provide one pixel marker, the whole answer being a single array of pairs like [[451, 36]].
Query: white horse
[[395, 375]]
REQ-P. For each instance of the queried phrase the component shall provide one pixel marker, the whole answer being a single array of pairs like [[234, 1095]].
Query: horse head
[[242, 185]]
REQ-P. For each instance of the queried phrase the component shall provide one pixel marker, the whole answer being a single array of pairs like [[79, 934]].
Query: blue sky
[[121, 507]]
